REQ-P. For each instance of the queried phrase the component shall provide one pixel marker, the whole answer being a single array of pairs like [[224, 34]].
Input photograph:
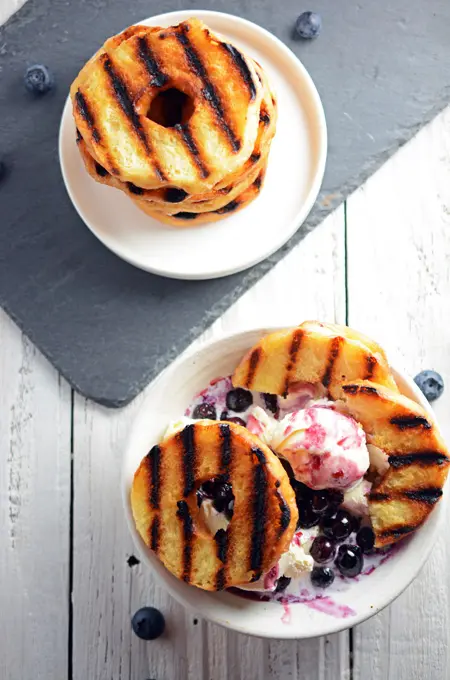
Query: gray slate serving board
[[382, 69]]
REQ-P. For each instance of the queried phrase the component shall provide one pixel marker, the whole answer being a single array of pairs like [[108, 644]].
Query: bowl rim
[[164, 577]]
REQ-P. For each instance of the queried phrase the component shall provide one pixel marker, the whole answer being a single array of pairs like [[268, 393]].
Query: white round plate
[[295, 171], [167, 400]]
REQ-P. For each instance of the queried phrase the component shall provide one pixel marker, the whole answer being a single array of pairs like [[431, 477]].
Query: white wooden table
[[380, 263]]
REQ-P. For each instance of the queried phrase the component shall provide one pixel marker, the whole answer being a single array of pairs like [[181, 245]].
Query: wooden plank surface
[[34, 512], [398, 228], [308, 283]]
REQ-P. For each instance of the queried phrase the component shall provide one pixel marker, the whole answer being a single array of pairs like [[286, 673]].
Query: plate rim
[[315, 185]]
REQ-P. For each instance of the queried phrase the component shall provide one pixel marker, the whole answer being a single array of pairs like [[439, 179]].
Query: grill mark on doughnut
[[429, 495], [396, 532], [209, 92], [229, 207], [87, 115], [410, 422], [296, 341], [126, 104], [259, 511], [333, 354], [185, 215], [242, 65], [422, 458], [78, 137], [255, 157], [371, 364], [154, 465], [133, 189], [264, 118], [258, 181], [285, 516], [100, 170], [145, 54], [221, 539], [363, 389], [226, 449], [189, 141], [183, 514], [188, 440], [254, 360], [154, 535]]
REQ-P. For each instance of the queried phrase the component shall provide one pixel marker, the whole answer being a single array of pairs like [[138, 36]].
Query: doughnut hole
[[171, 107]]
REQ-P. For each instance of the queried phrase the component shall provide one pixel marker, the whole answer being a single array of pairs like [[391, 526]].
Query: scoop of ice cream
[[356, 499], [325, 448]]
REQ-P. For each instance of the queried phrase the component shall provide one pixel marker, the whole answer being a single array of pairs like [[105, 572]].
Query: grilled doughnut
[[167, 516], [114, 92]]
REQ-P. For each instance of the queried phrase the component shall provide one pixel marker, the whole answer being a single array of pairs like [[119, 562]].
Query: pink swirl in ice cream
[[325, 448]]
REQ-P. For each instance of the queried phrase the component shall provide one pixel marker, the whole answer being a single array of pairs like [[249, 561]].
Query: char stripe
[[189, 141], [220, 579], [354, 389], [419, 458], [133, 189], [429, 496], [378, 496], [285, 516], [158, 77], [396, 533], [154, 535], [86, 114], [185, 215], [221, 538], [100, 170], [127, 107], [410, 422], [333, 354], [255, 357], [242, 65], [154, 461], [259, 511], [188, 440], [293, 353], [226, 448], [371, 363], [229, 207], [188, 531], [208, 91]]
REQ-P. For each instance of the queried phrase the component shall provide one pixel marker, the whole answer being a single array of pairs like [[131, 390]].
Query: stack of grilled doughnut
[[177, 118]]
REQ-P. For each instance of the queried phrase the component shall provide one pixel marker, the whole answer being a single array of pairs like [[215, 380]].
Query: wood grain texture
[[308, 283], [398, 230], [34, 512]]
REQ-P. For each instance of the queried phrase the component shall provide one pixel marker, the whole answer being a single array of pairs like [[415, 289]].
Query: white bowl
[[167, 400], [295, 172]]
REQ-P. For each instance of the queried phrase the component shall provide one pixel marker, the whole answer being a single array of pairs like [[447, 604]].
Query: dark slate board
[[382, 71]]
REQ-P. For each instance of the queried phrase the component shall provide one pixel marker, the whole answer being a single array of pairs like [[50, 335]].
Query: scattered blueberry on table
[[430, 383], [38, 79], [148, 623], [308, 25]]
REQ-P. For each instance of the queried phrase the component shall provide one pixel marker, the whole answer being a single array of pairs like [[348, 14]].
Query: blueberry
[[365, 538], [223, 496], [303, 492], [308, 25], [323, 549], [271, 402], [38, 79], [282, 584], [320, 502], [239, 400], [349, 560], [338, 526], [204, 411], [322, 577], [232, 419], [335, 498], [148, 623], [307, 518], [431, 384]]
